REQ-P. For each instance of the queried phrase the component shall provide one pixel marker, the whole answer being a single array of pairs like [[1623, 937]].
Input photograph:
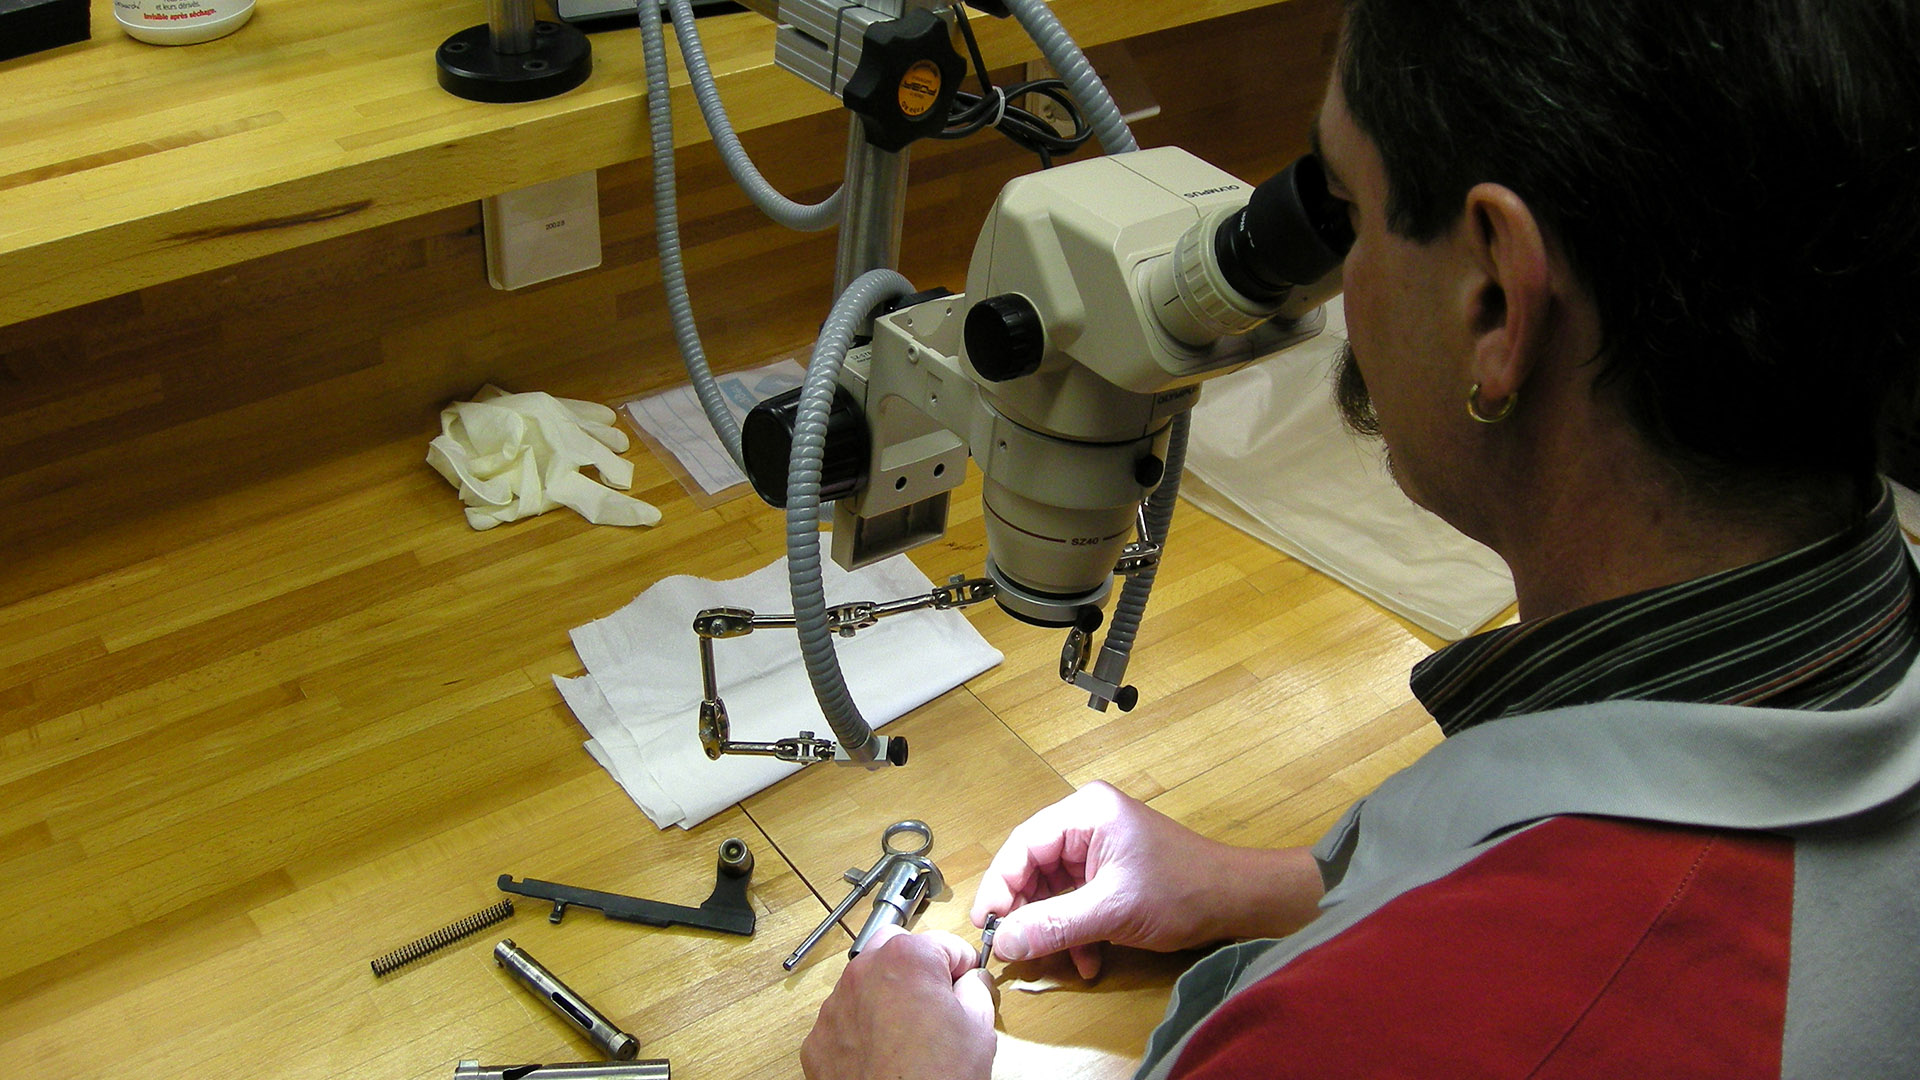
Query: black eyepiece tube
[[1291, 232]]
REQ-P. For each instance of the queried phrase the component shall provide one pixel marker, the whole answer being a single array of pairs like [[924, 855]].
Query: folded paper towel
[[517, 455], [640, 698]]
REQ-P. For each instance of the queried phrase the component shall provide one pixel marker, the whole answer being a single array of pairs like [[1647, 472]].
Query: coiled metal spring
[[442, 937]]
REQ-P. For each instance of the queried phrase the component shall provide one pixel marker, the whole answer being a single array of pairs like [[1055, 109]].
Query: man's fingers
[[951, 954], [1034, 853], [975, 991], [1033, 846], [1086, 960], [961, 955], [1056, 923]]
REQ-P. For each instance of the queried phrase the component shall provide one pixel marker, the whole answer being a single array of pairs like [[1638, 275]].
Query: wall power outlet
[[542, 232]]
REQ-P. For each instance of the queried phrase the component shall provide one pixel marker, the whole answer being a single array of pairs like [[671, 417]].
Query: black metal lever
[[726, 910]]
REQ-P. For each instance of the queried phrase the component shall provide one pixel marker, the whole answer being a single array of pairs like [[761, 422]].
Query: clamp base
[[560, 60]]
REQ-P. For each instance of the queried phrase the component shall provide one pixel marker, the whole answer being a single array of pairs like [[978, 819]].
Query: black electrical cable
[[993, 108]]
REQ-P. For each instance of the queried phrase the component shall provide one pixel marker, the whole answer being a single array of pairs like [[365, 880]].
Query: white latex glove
[[516, 455]]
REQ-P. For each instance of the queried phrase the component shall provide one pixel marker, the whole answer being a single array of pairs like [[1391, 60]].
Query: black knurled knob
[[1005, 339], [903, 87], [1149, 471]]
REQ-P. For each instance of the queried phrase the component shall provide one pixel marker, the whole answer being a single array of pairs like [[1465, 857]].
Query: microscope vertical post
[[874, 208]]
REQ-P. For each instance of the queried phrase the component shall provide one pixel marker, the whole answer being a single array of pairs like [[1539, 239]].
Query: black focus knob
[[1004, 337], [766, 441], [1149, 471], [906, 79]]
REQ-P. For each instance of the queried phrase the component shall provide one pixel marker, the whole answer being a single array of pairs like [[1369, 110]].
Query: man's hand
[[1101, 866], [909, 1007]]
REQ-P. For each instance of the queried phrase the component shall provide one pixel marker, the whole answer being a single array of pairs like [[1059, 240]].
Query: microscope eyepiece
[[1277, 257], [1291, 232]]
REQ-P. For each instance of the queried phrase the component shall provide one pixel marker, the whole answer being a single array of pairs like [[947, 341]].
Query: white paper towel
[[640, 698], [1274, 460], [516, 455]]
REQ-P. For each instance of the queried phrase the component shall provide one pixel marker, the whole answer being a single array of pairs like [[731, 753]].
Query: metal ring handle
[[919, 828]]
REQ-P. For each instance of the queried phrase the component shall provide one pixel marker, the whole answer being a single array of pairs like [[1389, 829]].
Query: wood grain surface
[[124, 165], [269, 709]]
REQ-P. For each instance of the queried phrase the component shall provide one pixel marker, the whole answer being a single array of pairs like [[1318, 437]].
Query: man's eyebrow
[[1320, 153]]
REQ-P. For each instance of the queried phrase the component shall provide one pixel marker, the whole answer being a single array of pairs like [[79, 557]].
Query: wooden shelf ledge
[[123, 165]]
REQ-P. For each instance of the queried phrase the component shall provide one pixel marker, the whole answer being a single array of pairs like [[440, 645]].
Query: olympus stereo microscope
[[1100, 295]]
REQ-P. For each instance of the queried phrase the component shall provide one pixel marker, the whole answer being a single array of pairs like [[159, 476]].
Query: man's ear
[[1510, 291]]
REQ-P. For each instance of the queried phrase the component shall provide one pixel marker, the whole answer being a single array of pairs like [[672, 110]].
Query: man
[[1631, 281]]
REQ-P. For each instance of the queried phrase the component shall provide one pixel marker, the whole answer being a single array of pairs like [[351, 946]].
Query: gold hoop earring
[[1506, 407]]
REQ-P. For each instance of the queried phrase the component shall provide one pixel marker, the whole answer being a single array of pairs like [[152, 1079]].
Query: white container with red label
[[181, 22]]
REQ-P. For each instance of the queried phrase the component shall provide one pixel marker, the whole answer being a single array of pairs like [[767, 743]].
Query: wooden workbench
[[124, 164], [267, 714]]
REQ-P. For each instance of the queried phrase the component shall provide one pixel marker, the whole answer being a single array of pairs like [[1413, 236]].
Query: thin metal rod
[[511, 22]]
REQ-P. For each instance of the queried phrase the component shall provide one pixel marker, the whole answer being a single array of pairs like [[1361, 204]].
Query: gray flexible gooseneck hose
[[869, 290], [801, 217], [1040, 23], [666, 218], [1132, 605]]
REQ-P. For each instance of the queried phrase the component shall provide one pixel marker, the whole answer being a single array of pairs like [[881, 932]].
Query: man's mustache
[[1350, 394]]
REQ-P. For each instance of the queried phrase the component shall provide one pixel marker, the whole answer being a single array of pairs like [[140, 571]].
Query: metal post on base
[[513, 56], [873, 210]]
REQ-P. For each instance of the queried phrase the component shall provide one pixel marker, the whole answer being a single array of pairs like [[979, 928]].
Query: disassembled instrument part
[[902, 882], [726, 910], [571, 1006], [986, 939], [446, 935]]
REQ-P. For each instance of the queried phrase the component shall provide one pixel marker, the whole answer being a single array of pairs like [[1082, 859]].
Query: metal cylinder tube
[[874, 205], [563, 1000], [656, 1069], [511, 23]]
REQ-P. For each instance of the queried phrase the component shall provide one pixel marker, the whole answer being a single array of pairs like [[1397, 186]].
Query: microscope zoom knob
[[1005, 339]]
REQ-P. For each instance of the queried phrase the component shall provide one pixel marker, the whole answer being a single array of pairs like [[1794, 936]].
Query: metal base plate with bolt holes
[[560, 60]]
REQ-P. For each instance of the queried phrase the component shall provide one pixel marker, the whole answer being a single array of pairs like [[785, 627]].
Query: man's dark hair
[[1736, 184]]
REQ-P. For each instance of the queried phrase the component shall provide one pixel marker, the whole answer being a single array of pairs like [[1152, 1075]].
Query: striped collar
[[1830, 626]]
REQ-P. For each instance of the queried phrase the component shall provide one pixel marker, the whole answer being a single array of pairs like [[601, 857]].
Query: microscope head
[[1100, 295]]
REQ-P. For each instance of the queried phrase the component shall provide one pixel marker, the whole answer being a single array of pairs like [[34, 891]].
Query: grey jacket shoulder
[[1845, 785]]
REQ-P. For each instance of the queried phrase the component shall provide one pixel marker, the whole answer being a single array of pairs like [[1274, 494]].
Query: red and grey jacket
[[1627, 889]]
